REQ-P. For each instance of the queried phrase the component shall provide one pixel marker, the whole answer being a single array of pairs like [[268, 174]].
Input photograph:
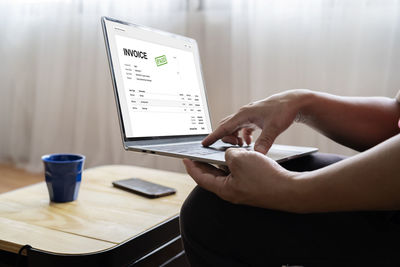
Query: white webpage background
[[161, 100]]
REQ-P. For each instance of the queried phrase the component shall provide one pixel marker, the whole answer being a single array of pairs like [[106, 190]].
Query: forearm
[[356, 122], [367, 181]]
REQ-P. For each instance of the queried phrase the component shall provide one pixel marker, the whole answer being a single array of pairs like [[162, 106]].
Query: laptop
[[161, 97]]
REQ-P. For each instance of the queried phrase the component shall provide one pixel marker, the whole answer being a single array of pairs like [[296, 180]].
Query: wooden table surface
[[102, 216]]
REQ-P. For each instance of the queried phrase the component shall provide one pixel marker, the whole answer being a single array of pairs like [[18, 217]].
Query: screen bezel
[[114, 82]]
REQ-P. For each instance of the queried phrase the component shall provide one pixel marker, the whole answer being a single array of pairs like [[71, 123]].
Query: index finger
[[226, 128]]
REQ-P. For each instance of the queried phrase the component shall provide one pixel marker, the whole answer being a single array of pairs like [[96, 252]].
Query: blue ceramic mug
[[63, 174]]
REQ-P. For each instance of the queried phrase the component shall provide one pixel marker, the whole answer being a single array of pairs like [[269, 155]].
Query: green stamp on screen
[[161, 60]]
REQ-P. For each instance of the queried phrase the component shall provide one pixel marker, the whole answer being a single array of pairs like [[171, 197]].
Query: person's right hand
[[273, 115]]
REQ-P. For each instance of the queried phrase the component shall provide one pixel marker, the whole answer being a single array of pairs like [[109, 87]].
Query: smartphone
[[144, 188]]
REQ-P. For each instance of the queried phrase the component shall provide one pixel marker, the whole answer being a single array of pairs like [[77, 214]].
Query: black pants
[[219, 233]]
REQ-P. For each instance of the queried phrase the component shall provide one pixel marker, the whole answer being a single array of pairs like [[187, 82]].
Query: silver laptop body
[[161, 97]]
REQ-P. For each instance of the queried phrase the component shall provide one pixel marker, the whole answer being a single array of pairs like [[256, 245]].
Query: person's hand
[[273, 115], [254, 179]]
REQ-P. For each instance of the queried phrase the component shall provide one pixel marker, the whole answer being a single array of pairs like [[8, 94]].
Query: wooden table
[[105, 225]]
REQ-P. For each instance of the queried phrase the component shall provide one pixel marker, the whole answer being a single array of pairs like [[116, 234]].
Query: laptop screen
[[158, 82]]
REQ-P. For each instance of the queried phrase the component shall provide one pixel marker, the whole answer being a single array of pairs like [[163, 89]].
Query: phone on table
[[144, 188]]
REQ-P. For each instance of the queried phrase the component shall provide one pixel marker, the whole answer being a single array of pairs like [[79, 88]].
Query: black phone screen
[[144, 188]]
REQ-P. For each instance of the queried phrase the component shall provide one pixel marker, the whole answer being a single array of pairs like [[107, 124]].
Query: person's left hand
[[254, 180]]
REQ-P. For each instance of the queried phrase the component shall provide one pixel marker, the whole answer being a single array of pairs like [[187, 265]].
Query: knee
[[203, 221], [311, 162], [203, 218], [196, 208]]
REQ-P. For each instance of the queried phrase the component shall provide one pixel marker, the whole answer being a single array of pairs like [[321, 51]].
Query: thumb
[[266, 139], [233, 158]]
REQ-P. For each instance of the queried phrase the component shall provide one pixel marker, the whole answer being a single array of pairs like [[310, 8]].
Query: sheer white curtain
[[341, 47], [55, 89]]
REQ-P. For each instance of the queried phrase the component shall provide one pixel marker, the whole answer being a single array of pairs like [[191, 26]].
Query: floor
[[12, 178]]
